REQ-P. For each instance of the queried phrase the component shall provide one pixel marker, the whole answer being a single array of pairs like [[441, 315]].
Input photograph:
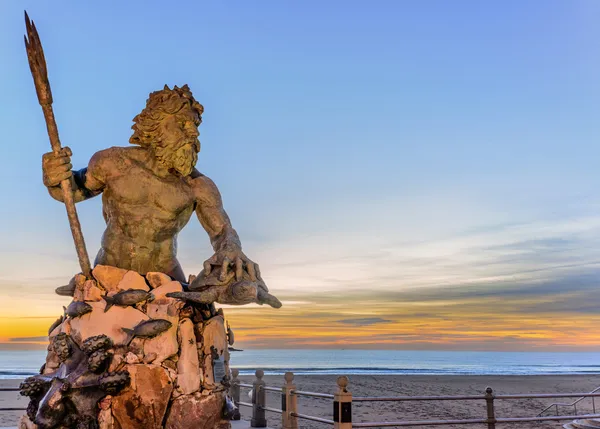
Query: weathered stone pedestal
[[127, 356]]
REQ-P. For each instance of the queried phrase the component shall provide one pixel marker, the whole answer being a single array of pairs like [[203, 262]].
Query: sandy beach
[[11, 400], [361, 385]]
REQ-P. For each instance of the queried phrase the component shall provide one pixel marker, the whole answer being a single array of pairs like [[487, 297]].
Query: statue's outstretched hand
[[229, 277], [229, 264]]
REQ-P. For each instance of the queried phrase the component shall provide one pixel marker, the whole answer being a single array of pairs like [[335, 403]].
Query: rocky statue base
[[125, 355]]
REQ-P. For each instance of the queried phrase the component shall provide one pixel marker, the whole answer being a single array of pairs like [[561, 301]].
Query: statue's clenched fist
[[56, 167]]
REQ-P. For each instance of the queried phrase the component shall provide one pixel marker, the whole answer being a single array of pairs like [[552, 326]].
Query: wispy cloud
[[519, 285], [520, 253], [364, 321], [464, 284], [29, 339]]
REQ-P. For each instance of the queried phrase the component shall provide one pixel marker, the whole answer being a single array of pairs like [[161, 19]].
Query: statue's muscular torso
[[144, 211]]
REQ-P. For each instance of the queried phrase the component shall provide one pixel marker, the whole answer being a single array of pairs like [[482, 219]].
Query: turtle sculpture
[[238, 287]]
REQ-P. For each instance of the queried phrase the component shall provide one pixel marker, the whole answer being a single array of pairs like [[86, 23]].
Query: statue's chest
[[140, 187]]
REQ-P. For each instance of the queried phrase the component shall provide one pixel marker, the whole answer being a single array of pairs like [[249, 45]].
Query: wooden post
[[342, 405], [289, 403], [489, 400], [259, 401], [234, 392]]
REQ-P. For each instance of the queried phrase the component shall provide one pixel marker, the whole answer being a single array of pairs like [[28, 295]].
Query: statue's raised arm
[[85, 183]]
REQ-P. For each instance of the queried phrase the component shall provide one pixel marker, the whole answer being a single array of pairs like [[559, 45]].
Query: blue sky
[[363, 149]]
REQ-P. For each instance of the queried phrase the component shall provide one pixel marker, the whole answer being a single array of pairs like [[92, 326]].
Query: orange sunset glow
[[406, 177]]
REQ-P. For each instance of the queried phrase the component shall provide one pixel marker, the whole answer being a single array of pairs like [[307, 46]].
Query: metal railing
[[342, 405], [572, 404]]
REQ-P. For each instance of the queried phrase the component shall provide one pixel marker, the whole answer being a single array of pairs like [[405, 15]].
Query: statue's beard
[[182, 160]]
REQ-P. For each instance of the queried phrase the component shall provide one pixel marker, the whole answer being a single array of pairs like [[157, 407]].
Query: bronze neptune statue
[[141, 346]]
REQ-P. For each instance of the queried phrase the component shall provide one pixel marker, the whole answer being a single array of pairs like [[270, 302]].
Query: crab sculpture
[[68, 397]]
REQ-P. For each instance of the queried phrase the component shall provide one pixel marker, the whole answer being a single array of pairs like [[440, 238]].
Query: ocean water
[[19, 364], [375, 362]]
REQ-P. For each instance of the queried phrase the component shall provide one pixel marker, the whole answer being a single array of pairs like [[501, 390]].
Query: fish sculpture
[[77, 309], [55, 324], [66, 290], [147, 329], [69, 290], [127, 297]]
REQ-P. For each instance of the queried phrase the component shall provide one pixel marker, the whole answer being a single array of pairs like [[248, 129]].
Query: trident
[[37, 63]]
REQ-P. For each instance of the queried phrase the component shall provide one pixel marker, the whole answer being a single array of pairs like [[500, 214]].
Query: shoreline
[[277, 376], [402, 385]]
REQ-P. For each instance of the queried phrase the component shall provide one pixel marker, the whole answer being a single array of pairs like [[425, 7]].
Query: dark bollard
[[342, 405], [491, 415]]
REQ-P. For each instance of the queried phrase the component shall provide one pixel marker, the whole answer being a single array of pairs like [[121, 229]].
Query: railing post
[[234, 392], [289, 403], [259, 400], [342, 405], [489, 400]]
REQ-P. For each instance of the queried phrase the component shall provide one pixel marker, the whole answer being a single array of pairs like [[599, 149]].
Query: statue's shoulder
[[113, 155], [201, 180], [195, 174], [203, 187]]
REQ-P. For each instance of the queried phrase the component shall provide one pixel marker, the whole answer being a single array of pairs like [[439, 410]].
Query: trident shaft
[[37, 63]]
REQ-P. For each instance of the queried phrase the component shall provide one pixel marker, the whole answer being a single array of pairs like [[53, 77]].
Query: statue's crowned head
[[168, 126]]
